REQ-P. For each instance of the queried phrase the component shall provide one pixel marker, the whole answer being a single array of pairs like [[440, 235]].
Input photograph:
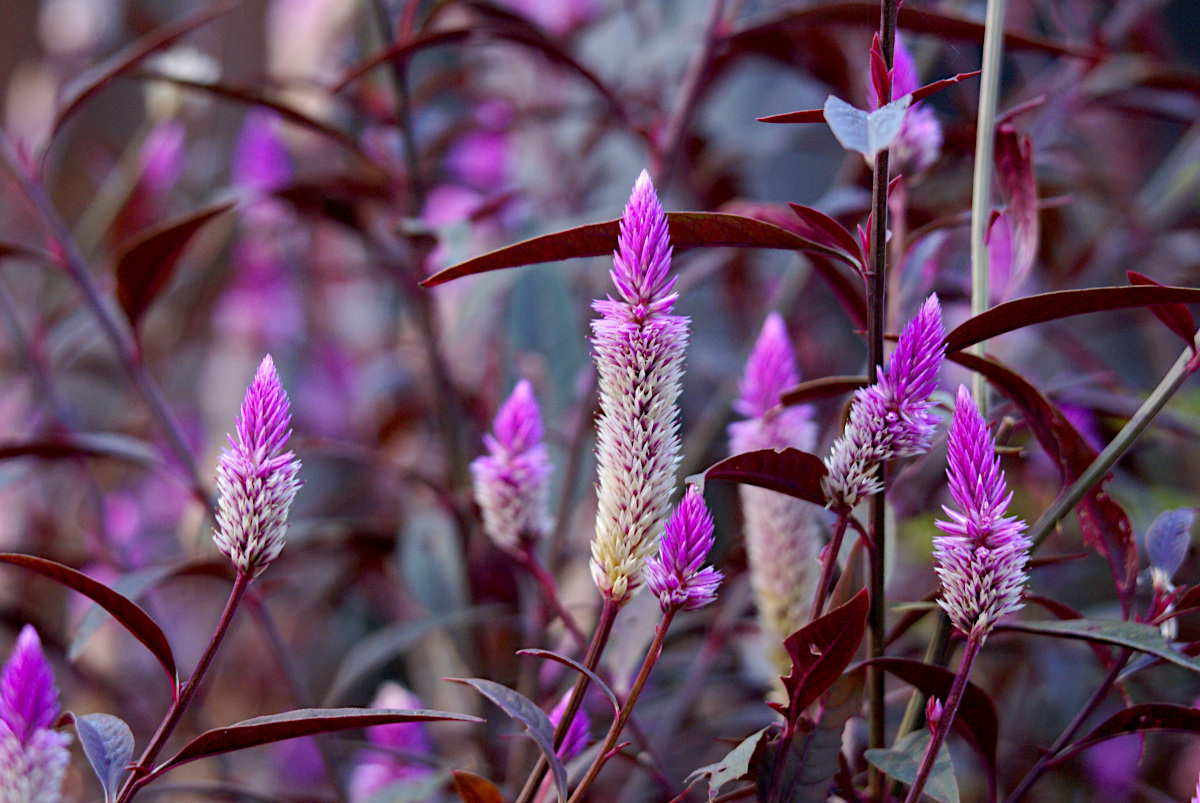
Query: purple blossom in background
[[982, 557], [511, 480], [783, 534], [33, 757], [674, 574], [256, 479], [919, 142], [639, 351], [578, 735], [893, 417], [260, 161], [162, 157], [402, 743]]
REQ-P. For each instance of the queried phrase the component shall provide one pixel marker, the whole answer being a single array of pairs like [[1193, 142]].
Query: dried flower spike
[[639, 350], [983, 555], [511, 480], [33, 757], [891, 418], [256, 479], [674, 575], [783, 534]]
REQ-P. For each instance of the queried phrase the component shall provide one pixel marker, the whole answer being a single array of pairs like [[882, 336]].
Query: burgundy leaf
[[688, 230], [1018, 189], [976, 719], [338, 196], [82, 88], [822, 388], [146, 265], [937, 86], [1045, 307], [399, 53], [820, 652], [880, 75], [111, 446], [473, 788], [788, 471], [1139, 719], [123, 609], [1066, 613], [1187, 601], [821, 228], [294, 724], [581, 669], [1177, 317], [803, 116]]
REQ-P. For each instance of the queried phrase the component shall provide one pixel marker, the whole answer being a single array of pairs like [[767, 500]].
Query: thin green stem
[[614, 731], [974, 642], [144, 764]]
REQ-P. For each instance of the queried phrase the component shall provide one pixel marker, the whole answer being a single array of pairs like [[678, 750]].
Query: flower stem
[[614, 731], [608, 615], [137, 778], [529, 561], [828, 562], [974, 642]]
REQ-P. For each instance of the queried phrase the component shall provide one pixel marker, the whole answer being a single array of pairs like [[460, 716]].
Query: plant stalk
[[828, 562]]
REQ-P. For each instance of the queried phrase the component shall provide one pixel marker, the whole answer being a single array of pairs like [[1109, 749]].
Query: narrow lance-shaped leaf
[[818, 115], [1131, 635], [787, 471], [581, 669], [821, 388], [1176, 317], [1141, 719]]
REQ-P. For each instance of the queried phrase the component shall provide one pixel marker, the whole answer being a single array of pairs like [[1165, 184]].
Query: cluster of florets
[[675, 575], [33, 756]]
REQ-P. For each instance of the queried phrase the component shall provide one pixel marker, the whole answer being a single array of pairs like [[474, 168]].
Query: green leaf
[[735, 765], [902, 762], [1131, 635]]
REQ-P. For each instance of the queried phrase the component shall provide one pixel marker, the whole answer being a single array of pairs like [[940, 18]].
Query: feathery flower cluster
[[674, 574], [891, 418], [578, 733], [256, 479], [511, 480], [399, 745], [783, 534], [639, 350], [919, 142], [33, 756], [983, 555]]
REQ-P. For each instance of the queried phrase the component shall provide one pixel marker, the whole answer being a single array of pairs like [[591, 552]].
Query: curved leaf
[[1131, 635], [821, 228], [294, 724], [578, 667], [821, 388], [687, 229], [902, 762], [100, 444], [1140, 719], [473, 788], [525, 711], [820, 651], [108, 744], [1044, 307], [1175, 317], [146, 265], [1018, 189], [788, 471], [124, 610]]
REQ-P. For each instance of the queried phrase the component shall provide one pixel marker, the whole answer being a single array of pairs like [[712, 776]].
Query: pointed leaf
[[902, 762], [687, 229], [1140, 719], [96, 444], [1131, 635], [146, 265], [822, 388], [1045, 307], [473, 788], [294, 724], [1175, 317], [866, 133], [735, 766], [821, 228], [820, 651], [788, 471], [124, 610], [581, 669], [108, 744], [529, 714], [937, 86], [1066, 612], [1018, 189]]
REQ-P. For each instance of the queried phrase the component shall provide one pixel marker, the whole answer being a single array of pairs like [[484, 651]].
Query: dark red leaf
[[1140, 719], [1177, 317], [581, 669], [1065, 612], [111, 446], [937, 86], [821, 228], [688, 230], [400, 52], [123, 609], [880, 76], [338, 197], [976, 719], [1038, 561], [820, 652], [1188, 600], [473, 788], [822, 388], [294, 724], [83, 87], [1018, 189], [803, 116], [146, 265], [1044, 307], [788, 471]]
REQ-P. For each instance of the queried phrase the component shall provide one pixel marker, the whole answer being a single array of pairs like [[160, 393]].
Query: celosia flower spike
[[33, 757], [511, 480], [256, 479], [982, 557], [674, 575], [639, 350]]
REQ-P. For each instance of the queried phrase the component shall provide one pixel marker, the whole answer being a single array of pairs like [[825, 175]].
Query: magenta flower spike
[[512, 479], [982, 557], [639, 350], [33, 756], [674, 574], [256, 479], [400, 746], [783, 534], [578, 734], [893, 417]]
